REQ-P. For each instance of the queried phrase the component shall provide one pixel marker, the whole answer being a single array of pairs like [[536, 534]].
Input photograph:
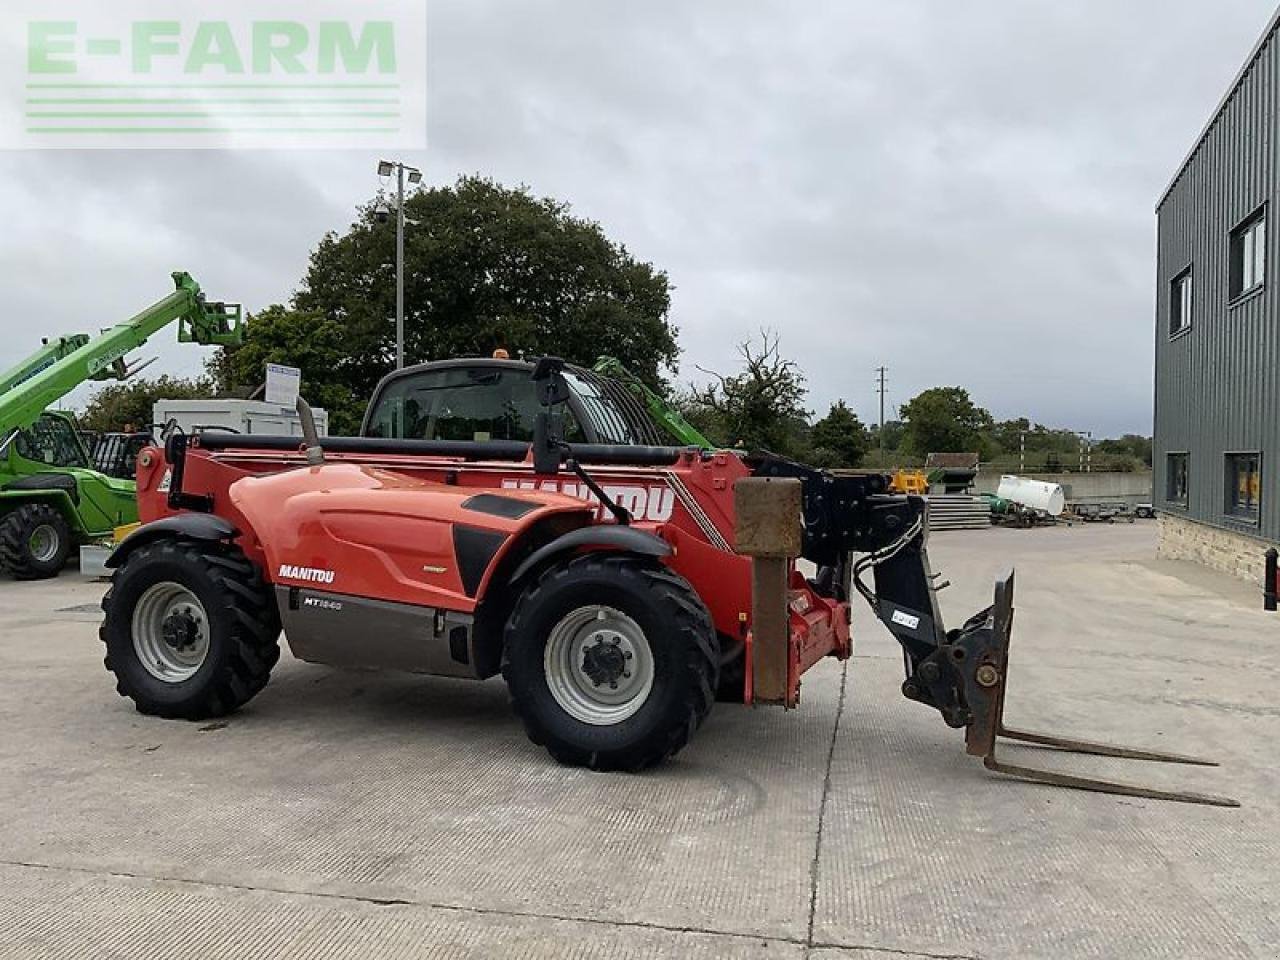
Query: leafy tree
[[129, 406], [893, 433], [1012, 436], [1008, 434], [486, 266], [1130, 445], [310, 341], [944, 420], [839, 439], [760, 408]]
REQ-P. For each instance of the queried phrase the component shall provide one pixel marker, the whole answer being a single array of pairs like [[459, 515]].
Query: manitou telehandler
[[501, 517], [52, 496]]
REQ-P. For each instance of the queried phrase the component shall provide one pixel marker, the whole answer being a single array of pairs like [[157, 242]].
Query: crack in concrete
[[421, 904], [894, 952], [822, 810], [807, 943]]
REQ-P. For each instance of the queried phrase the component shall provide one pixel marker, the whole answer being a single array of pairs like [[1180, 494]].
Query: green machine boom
[[50, 352], [666, 415], [50, 497]]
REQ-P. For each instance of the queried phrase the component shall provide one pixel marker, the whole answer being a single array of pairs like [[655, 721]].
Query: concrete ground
[[365, 815]]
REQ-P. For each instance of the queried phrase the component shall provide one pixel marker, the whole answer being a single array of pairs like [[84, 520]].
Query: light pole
[[385, 169], [1086, 450]]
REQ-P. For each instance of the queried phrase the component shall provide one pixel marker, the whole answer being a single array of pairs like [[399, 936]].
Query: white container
[[1035, 494], [242, 416]]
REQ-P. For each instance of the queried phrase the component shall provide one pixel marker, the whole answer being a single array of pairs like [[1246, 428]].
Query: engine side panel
[[366, 532]]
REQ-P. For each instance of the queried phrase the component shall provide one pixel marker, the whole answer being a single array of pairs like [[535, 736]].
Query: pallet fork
[[985, 642]]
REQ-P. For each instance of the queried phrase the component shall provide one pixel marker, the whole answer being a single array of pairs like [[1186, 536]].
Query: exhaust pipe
[[310, 436]]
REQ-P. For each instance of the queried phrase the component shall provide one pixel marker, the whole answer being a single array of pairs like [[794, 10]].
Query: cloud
[[961, 191]]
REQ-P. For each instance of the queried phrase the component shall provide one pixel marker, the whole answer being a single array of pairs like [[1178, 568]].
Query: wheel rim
[[43, 543], [170, 632], [599, 665]]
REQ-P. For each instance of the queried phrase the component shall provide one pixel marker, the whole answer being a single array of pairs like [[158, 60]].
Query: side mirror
[[548, 429], [548, 375]]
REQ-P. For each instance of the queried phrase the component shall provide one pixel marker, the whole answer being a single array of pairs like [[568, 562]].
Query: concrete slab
[[133, 917], [923, 850], [365, 814]]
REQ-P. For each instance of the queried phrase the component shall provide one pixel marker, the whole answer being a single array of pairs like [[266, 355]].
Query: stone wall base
[[1238, 554]]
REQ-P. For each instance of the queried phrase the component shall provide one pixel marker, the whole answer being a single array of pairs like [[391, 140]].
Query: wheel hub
[[604, 661], [43, 543], [180, 631], [171, 632], [599, 665]]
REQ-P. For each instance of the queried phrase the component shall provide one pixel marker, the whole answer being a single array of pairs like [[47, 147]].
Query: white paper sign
[[283, 384]]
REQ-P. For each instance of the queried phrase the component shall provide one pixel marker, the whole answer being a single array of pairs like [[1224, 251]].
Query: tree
[[1038, 441], [129, 406], [307, 340], [761, 408], [839, 439], [1130, 445], [944, 420], [486, 267], [893, 434]]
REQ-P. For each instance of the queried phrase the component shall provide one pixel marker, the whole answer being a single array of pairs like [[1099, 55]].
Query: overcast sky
[[962, 190]]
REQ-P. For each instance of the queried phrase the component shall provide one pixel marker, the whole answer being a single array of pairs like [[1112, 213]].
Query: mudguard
[[183, 526], [624, 539]]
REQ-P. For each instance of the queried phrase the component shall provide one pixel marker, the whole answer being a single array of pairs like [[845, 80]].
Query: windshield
[[52, 441], [461, 403]]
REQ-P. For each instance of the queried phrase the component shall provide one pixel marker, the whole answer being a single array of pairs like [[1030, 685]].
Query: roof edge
[[1222, 105]]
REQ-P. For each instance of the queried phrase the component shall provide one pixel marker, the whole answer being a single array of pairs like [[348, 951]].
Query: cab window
[[53, 442], [600, 412], [462, 403]]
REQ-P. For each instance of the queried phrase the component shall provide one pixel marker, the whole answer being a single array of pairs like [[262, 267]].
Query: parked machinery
[[51, 495], [617, 587]]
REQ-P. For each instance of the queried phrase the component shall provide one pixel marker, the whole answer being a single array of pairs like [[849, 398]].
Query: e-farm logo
[[240, 73]]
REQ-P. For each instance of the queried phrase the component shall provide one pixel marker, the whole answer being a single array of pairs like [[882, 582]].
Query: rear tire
[[191, 630], [35, 542], [612, 662]]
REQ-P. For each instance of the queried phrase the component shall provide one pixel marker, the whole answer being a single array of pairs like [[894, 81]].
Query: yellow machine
[[911, 482]]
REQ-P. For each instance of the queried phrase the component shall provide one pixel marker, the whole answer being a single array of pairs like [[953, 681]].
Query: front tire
[[612, 662], [191, 630], [35, 542]]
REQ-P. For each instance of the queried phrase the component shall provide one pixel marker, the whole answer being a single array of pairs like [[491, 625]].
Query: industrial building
[[1217, 402]]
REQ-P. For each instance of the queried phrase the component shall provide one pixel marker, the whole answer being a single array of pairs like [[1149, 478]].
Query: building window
[[1180, 303], [1176, 478], [1244, 486], [1249, 255]]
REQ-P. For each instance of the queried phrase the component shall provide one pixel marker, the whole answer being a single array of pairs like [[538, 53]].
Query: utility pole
[[880, 388], [414, 175], [1022, 451]]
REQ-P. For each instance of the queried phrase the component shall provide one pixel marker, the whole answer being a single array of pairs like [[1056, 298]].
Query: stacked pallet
[[958, 511]]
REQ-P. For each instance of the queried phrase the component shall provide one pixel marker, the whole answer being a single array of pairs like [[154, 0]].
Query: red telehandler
[[617, 586]]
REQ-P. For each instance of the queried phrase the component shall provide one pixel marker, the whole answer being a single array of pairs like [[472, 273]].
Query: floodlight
[[385, 168]]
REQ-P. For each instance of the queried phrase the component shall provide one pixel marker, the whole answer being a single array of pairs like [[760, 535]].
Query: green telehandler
[[663, 412], [51, 498]]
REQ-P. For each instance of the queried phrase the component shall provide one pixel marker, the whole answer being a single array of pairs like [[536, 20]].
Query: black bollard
[[1269, 586]]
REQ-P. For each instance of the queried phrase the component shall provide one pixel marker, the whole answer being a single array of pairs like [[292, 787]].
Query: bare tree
[[761, 407]]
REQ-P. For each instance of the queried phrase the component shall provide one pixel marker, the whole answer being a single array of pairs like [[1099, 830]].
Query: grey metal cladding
[[347, 631], [1216, 387]]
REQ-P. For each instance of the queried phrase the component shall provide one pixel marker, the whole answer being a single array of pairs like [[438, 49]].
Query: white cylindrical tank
[[1035, 494]]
